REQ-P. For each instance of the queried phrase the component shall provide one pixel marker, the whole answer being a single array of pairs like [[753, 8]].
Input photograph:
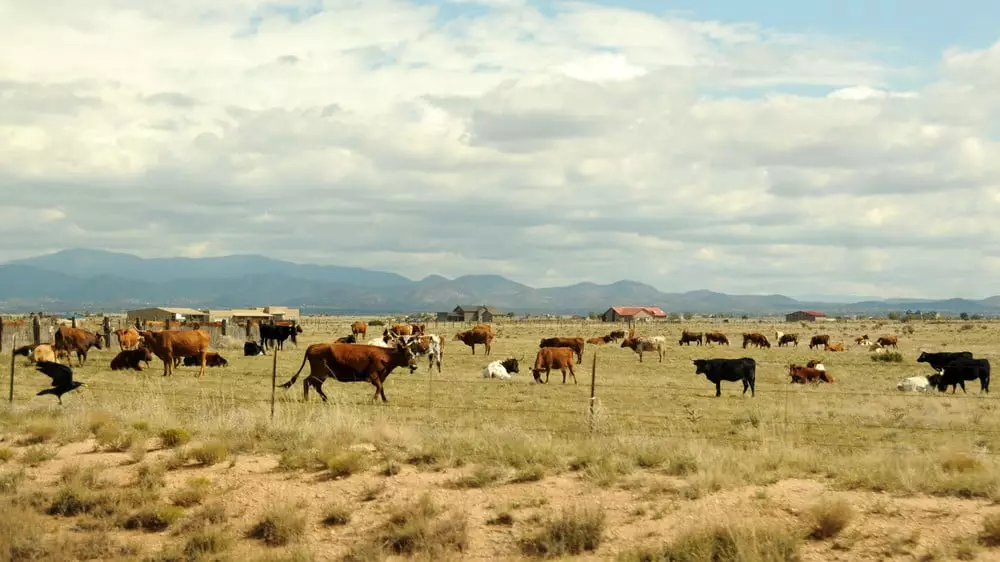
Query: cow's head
[[405, 346], [510, 364], [699, 366]]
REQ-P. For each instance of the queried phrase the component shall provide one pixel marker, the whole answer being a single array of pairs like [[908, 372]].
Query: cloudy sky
[[846, 147]]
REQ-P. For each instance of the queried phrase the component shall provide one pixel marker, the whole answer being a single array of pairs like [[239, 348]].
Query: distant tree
[[674, 317], [964, 316], [893, 315]]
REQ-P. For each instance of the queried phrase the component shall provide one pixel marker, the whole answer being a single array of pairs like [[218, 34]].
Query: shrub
[[570, 534], [479, 478], [345, 464], [337, 514], [210, 453], [828, 518], [414, 529], [193, 493], [721, 543], [153, 519], [174, 437], [989, 535], [888, 357], [280, 525]]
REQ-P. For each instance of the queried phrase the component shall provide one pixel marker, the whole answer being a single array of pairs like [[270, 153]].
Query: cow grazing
[[169, 344], [862, 340], [718, 370], [128, 338], [617, 335], [77, 340], [887, 341], [131, 359], [212, 359], [758, 339], [688, 337], [802, 375], [359, 328], [500, 369], [961, 370], [834, 347], [350, 338], [481, 334], [276, 334], [576, 344], [716, 337], [646, 343], [914, 384], [348, 362], [818, 341], [549, 358], [253, 349], [786, 339], [938, 361]]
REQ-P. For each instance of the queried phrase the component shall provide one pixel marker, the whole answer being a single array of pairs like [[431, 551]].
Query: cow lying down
[[914, 384], [500, 369]]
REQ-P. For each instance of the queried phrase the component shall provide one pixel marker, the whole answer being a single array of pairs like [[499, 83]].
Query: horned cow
[[642, 344]]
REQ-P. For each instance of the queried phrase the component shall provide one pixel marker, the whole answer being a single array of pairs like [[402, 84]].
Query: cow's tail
[[295, 377]]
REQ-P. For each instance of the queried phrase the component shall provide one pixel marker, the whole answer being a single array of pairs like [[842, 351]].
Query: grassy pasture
[[659, 446]]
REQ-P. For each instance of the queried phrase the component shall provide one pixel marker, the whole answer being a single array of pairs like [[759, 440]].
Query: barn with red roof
[[633, 314], [804, 316]]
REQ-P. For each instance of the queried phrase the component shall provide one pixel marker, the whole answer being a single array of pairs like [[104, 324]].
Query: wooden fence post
[[72, 320], [107, 332], [593, 379], [36, 329], [274, 380], [225, 326], [1, 335], [13, 346]]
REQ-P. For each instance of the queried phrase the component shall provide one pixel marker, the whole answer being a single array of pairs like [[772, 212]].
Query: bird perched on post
[[62, 378]]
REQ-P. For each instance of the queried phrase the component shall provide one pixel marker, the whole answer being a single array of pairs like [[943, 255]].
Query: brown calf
[[130, 359], [481, 334], [128, 338]]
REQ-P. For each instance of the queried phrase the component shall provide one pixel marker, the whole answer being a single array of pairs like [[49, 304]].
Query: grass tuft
[[336, 514], [415, 529], [280, 525], [989, 535], [174, 437], [210, 453], [573, 532], [725, 543], [192, 493], [828, 518]]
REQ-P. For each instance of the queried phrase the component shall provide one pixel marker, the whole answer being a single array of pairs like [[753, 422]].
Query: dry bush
[[153, 519], [38, 454], [194, 491], [727, 543], [11, 480], [6, 454], [39, 432], [342, 465], [174, 437], [416, 529], [207, 542], [280, 525], [336, 514], [989, 535], [21, 534], [573, 532], [826, 519], [210, 453], [480, 477]]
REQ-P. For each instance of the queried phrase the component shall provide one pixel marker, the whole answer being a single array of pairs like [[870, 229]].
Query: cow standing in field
[[481, 334], [430, 345], [168, 344], [359, 328], [128, 338], [688, 337], [646, 343], [276, 334], [718, 370], [817, 341], [960, 370], [576, 344], [549, 358], [717, 337], [758, 339], [938, 361], [76, 340], [863, 340], [788, 339], [347, 362], [887, 341]]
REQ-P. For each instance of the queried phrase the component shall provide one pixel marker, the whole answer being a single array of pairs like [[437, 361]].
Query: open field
[[855, 470]]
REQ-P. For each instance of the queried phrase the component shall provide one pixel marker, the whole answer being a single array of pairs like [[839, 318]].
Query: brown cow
[[688, 337], [128, 338], [348, 362], [887, 341], [168, 344], [359, 327], [600, 340], [802, 375], [481, 334], [399, 330], [861, 339], [834, 347], [418, 329], [130, 359], [788, 338], [817, 341], [717, 337], [549, 358], [576, 344], [755, 338], [76, 340], [45, 352]]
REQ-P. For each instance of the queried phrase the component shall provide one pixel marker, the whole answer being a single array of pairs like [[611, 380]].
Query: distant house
[[280, 313], [164, 313], [633, 314], [469, 313], [804, 316], [239, 315]]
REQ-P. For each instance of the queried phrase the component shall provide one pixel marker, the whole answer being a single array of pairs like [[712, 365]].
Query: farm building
[[280, 313], [633, 314], [804, 316], [164, 313], [239, 315], [467, 313]]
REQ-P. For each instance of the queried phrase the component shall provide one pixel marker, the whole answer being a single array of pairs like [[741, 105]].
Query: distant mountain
[[84, 279]]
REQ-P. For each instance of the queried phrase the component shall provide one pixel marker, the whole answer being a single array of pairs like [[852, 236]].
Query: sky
[[835, 148]]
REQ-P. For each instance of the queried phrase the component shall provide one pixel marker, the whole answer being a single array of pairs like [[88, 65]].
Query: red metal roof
[[632, 310], [813, 313]]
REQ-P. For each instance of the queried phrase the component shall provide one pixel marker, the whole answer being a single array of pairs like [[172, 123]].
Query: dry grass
[[336, 514], [420, 528], [280, 525], [659, 434], [192, 493], [989, 535], [727, 543], [827, 518], [573, 532]]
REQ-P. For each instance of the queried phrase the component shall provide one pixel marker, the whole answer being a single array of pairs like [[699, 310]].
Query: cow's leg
[[473, 349], [745, 386], [305, 389], [718, 388], [572, 374], [204, 356]]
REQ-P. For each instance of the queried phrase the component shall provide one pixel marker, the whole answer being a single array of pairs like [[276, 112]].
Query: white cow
[[777, 335], [379, 342], [914, 384], [500, 369]]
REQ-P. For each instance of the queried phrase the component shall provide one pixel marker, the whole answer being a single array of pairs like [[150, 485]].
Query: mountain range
[[100, 281]]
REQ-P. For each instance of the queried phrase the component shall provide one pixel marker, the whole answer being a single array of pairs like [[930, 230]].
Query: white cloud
[[595, 144]]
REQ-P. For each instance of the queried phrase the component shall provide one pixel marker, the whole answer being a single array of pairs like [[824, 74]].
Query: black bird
[[62, 378]]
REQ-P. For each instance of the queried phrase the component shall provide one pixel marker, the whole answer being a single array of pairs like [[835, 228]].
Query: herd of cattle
[[348, 360]]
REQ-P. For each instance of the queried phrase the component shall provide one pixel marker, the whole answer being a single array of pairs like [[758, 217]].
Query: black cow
[[276, 334], [961, 370], [718, 370], [939, 361], [252, 349], [350, 338]]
